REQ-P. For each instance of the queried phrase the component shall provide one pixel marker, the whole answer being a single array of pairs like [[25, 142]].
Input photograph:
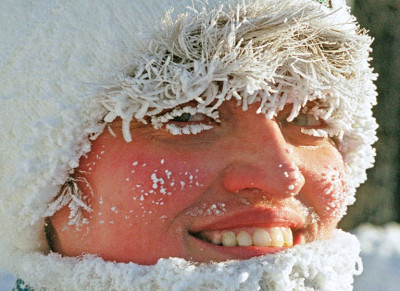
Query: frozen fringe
[[71, 195], [246, 54]]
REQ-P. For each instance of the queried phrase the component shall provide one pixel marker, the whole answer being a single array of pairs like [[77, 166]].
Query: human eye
[[307, 120], [305, 127], [186, 120], [187, 117]]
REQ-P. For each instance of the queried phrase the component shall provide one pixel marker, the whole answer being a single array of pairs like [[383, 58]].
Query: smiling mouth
[[246, 237]]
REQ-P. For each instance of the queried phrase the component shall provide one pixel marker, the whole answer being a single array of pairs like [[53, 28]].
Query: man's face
[[238, 190]]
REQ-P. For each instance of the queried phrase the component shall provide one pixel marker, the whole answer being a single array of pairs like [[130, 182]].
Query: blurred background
[[378, 200]]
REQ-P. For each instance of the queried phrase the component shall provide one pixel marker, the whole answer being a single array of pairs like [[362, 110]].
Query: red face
[[247, 187]]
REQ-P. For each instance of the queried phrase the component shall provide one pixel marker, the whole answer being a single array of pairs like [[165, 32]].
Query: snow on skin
[[206, 209], [158, 184], [292, 173], [162, 183], [335, 192]]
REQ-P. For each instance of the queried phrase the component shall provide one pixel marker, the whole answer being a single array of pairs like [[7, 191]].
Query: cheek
[[147, 188], [134, 200], [162, 188], [327, 189]]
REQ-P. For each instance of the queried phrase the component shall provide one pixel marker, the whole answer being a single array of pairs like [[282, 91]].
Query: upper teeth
[[262, 237]]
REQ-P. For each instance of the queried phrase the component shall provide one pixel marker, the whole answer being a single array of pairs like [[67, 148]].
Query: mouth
[[249, 233], [248, 236]]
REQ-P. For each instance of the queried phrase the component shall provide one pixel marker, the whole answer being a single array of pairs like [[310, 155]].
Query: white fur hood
[[69, 67], [324, 265]]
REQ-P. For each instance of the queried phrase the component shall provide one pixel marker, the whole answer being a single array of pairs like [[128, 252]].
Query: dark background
[[378, 200]]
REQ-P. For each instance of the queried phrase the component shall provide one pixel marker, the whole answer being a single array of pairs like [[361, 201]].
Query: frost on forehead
[[272, 55]]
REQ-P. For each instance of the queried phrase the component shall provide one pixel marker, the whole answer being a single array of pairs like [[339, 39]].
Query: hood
[[70, 67], [323, 265]]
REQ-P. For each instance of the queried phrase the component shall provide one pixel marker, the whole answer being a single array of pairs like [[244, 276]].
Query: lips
[[252, 232]]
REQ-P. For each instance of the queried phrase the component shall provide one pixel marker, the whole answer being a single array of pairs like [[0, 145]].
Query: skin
[[246, 172]]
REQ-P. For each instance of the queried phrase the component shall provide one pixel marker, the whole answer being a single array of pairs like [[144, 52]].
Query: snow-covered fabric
[[380, 254], [322, 265], [69, 67]]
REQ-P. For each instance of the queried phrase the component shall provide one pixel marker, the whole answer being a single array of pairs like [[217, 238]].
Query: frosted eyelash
[[319, 113], [325, 132], [159, 121], [188, 129]]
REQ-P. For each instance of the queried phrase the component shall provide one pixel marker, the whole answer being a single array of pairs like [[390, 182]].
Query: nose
[[260, 160]]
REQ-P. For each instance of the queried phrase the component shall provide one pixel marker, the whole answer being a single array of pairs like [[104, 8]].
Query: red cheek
[[155, 189]]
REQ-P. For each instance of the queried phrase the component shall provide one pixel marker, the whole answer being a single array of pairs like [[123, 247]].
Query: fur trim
[[321, 265]]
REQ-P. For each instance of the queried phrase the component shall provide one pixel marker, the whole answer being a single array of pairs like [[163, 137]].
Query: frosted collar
[[316, 266]]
